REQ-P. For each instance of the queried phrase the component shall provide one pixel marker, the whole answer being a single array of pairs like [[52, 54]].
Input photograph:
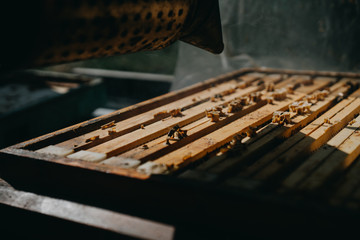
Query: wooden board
[[132, 153]]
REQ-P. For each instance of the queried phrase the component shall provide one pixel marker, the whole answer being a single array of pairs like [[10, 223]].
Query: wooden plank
[[216, 139], [122, 162], [58, 151], [130, 227], [288, 143], [311, 142], [195, 130], [156, 147], [146, 118], [88, 156], [295, 80], [93, 124], [264, 143], [320, 156], [343, 156], [157, 129], [207, 127], [230, 163]]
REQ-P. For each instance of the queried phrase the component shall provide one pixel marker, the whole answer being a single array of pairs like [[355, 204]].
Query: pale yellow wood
[[122, 162], [288, 143], [149, 115], [159, 143], [297, 121], [146, 118], [313, 141], [325, 80], [319, 156], [193, 128], [141, 136], [210, 142], [150, 168], [88, 156], [58, 151], [338, 161]]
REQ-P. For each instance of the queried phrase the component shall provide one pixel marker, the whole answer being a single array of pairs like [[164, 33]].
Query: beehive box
[[29, 100], [276, 146]]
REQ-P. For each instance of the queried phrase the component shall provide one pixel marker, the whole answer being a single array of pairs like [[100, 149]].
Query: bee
[[352, 122], [270, 100], [112, 131], [176, 112], [91, 139], [110, 124], [176, 134], [270, 87]]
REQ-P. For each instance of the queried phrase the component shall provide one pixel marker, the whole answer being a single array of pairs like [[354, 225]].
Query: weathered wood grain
[[320, 156], [312, 141]]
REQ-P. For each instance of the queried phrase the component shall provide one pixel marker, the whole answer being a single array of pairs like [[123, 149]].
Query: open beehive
[[286, 134]]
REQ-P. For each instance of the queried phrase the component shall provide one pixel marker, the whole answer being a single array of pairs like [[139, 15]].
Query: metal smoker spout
[[45, 32]]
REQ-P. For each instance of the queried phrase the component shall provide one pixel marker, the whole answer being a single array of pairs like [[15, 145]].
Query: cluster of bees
[[235, 106], [215, 113], [175, 134], [279, 94], [111, 131], [317, 96], [300, 107], [281, 117], [255, 97]]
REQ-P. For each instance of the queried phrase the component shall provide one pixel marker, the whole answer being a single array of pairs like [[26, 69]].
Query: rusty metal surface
[[63, 31]]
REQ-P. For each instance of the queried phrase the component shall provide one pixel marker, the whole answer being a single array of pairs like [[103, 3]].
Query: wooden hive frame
[[108, 136]]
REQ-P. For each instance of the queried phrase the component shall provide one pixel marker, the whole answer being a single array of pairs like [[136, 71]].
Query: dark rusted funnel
[[45, 32]]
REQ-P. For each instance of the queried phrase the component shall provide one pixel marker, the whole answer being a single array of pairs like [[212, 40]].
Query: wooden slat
[[88, 156], [320, 156], [58, 151], [338, 161], [214, 140], [146, 118], [141, 136], [295, 80], [288, 143], [320, 84], [269, 135], [311, 142], [265, 142], [197, 129]]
